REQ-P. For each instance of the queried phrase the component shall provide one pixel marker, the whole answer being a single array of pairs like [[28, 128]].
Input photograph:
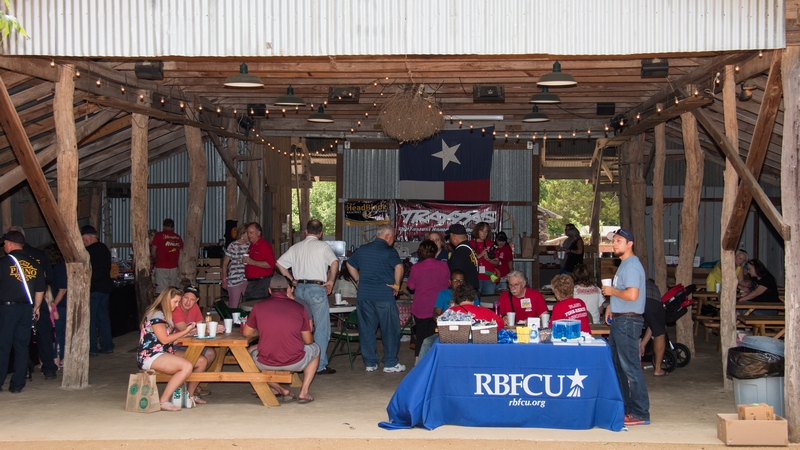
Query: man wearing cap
[[285, 340], [188, 312], [101, 286], [463, 257], [259, 264], [16, 320], [628, 298], [165, 251], [314, 269], [378, 270]]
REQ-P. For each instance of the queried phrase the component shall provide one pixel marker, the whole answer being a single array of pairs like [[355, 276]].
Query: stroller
[[676, 303]]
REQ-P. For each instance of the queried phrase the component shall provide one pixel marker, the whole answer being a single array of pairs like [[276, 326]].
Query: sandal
[[198, 401], [287, 398], [202, 392], [168, 406], [303, 401]]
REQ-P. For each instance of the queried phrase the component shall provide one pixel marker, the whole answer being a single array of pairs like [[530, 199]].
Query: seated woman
[[155, 347], [715, 276], [765, 287], [568, 307], [585, 290], [463, 298]]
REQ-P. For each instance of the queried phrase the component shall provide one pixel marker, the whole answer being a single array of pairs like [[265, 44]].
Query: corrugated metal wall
[[227, 28]]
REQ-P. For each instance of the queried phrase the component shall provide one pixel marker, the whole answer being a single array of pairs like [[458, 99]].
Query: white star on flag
[[448, 154], [577, 379]]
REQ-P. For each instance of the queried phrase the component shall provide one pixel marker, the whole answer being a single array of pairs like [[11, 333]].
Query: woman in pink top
[[568, 307], [427, 278]]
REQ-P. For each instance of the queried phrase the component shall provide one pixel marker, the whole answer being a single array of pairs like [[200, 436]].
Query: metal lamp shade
[[535, 116], [244, 79], [544, 97], [556, 77], [290, 99], [320, 116]]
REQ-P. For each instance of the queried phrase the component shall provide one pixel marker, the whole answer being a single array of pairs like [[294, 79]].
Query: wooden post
[[659, 164], [230, 180], [139, 238], [96, 208], [198, 182], [638, 196], [624, 186], [594, 220], [790, 186], [76, 348], [5, 212], [340, 195], [536, 169], [689, 212]]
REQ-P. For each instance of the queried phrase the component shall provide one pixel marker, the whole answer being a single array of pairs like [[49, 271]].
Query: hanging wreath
[[411, 115]]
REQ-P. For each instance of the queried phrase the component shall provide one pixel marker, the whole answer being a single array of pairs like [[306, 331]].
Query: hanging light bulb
[[200, 107], [219, 110], [162, 100], [235, 111], [182, 105], [98, 82], [78, 73], [122, 89], [52, 63]]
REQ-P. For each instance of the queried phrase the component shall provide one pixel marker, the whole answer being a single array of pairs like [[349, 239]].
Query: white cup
[[606, 281], [545, 320], [236, 317], [246, 255], [212, 329], [512, 318], [228, 325], [338, 298], [718, 288], [201, 330]]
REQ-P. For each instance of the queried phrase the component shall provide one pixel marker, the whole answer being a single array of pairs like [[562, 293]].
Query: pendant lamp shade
[[544, 97], [535, 116], [320, 116], [556, 77], [244, 79], [290, 99]]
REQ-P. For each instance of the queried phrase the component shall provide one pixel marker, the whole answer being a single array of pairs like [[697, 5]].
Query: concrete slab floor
[[348, 406]]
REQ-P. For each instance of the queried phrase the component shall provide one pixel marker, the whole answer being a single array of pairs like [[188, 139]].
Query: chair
[[225, 312], [345, 336]]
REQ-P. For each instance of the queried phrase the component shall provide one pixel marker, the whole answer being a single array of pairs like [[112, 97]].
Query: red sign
[[413, 219]]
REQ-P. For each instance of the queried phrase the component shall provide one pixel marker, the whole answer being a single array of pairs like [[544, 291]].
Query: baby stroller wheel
[[683, 354], [670, 360]]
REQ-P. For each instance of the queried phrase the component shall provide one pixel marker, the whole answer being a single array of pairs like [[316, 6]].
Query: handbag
[[142, 393]]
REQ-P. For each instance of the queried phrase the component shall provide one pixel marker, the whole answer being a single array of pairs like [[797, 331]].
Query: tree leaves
[[10, 23], [572, 199]]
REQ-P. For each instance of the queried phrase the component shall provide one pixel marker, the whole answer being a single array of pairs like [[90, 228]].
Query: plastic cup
[[512, 318], [606, 281], [545, 320], [201, 330], [338, 298], [236, 317], [718, 288], [228, 325], [212, 329]]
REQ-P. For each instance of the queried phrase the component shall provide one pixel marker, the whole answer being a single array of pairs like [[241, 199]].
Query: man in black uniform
[[463, 257], [101, 287], [16, 319]]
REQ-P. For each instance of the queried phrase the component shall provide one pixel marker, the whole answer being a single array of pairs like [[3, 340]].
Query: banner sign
[[366, 213], [413, 219]]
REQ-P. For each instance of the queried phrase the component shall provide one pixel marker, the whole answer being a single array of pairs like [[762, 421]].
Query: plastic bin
[[760, 390]]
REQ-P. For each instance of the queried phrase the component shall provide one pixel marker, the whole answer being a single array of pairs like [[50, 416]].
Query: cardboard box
[[733, 431], [213, 273], [756, 411], [213, 262]]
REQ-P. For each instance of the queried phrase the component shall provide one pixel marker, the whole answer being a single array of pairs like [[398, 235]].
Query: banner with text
[[366, 213], [413, 219]]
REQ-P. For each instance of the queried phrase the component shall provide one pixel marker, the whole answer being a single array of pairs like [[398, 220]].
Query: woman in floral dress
[[155, 347]]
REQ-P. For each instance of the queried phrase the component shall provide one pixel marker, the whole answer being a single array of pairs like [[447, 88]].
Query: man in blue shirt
[[378, 270], [628, 298]]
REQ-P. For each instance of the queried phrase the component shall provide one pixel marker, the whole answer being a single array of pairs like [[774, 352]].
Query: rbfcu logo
[[533, 385]]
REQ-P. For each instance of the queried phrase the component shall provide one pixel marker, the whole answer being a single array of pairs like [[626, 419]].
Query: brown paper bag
[[527, 243], [142, 393]]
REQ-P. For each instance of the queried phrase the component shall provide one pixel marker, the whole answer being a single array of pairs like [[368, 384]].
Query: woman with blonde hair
[[155, 347]]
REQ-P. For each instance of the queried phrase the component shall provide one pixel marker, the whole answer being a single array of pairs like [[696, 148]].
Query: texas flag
[[452, 165]]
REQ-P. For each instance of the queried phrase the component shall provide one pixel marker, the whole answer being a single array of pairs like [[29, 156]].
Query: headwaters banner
[[362, 213], [413, 219]]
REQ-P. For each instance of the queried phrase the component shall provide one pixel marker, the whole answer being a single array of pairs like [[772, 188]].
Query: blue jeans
[[624, 342], [61, 331], [99, 322], [371, 315], [317, 300], [487, 287]]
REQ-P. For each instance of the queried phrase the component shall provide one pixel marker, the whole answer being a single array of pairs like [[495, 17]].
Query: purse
[[142, 393]]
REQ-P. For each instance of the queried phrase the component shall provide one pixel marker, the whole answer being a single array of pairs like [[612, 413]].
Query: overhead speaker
[[606, 109], [655, 68], [149, 70], [485, 93]]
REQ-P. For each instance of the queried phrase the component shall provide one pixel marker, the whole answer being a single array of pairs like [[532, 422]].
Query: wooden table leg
[[193, 352], [248, 365], [219, 361]]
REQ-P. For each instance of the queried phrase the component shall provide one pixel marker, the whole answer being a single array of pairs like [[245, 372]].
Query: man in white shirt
[[314, 270]]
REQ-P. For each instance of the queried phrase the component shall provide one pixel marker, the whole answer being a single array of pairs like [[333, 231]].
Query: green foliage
[[322, 207], [9, 23], [572, 199]]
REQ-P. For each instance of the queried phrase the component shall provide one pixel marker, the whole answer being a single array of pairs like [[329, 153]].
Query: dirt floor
[[348, 407]]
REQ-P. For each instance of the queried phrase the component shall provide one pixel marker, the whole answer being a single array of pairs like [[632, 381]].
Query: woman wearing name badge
[[568, 307], [155, 347], [520, 299], [487, 260]]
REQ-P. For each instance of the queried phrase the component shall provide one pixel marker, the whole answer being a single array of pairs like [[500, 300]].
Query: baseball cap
[[192, 289], [455, 228], [13, 236], [88, 229], [624, 232], [278, 282]]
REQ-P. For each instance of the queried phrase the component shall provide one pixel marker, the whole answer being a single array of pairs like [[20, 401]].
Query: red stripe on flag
[[475, 190]]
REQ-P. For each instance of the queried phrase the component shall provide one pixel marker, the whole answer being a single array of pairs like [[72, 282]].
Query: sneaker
[[372, 368], [398, 368], [632, 420]]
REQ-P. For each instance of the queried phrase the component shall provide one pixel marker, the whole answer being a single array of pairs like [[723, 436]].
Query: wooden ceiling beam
[[156, 154], [99, 158], [234, 172]]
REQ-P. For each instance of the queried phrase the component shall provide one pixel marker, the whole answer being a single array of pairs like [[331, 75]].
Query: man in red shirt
[[188, 312], [259, 263], [165, 250], [520, 299], [285, 340]]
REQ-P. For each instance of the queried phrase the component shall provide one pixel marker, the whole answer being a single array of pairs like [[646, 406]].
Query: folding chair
[[345, 336]]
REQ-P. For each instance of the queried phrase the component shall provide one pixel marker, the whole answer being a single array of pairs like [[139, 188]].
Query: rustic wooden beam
[[758, 150], [198, 177], [230, 180], [638, 194], [657, 212], [76, 349], [594, 217], [747, 178], [671, 111], [233, 171], [33, 172], [139, 239]]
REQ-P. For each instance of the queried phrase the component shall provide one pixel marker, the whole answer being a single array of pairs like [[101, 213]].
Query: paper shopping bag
[[527, 244], [142, 393]]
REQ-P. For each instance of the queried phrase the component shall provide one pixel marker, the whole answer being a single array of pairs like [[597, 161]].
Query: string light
[[736, 68], [638, 116], [235, 111], [366, 115], [141, 97], [182, 105], [760, 53], [606, 127], [374, 104], [122, 89], [78, 73], [219, 110], [676, 100], [98, 82], [52, 63], [658, 110], [162, 100], [696, 92], [200, 107], [574, 133]]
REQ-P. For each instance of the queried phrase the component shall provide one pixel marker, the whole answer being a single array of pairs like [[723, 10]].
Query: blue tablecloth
[[510, 385]]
